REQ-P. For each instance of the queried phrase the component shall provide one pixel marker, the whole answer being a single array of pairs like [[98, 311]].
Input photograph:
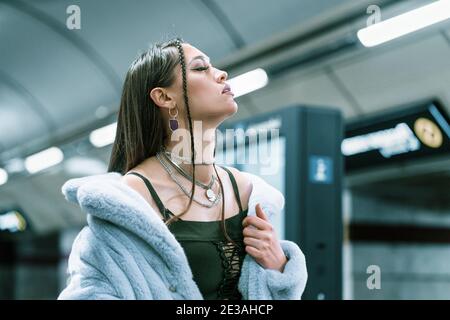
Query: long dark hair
[[141, 131]]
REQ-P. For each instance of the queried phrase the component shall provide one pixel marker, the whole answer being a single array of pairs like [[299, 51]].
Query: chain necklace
[[210, 194], [181, 159], [174, 178]]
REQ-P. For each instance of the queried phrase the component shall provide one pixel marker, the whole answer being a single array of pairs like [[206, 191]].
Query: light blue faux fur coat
[[127, 252]]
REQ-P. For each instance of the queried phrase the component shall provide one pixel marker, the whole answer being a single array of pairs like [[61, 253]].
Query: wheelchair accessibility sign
[[320, 169]]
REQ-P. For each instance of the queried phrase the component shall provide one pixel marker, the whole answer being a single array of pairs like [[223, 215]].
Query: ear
[[162, 98]]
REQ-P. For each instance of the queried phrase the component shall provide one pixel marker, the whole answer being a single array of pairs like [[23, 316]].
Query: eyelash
[[202, 68]]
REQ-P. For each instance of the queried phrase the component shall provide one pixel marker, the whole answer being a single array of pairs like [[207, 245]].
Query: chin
[[232, 109], [222, 113]]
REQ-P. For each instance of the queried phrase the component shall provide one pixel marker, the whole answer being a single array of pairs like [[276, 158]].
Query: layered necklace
[[165, 158]]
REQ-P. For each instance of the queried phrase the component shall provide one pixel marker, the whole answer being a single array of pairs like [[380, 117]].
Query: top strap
[[154, 195], [235, 187], [166, 211]]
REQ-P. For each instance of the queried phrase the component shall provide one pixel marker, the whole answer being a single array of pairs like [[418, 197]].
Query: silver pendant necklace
[[213, 203], [210, 194]]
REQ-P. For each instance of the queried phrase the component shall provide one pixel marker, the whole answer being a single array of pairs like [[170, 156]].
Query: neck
[[204, 143]]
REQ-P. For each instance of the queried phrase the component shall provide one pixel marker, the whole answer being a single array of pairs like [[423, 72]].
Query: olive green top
[[215, 262]]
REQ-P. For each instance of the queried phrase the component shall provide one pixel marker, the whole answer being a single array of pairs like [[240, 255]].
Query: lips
[[227, 89]]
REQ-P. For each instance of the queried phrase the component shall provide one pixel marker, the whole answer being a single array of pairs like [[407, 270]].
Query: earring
[[173, 121]]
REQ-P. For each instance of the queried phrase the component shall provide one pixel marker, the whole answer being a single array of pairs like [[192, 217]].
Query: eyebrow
[[199, 57]]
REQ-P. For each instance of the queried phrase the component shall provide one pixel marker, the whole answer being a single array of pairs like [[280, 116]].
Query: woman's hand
[[261, 241]]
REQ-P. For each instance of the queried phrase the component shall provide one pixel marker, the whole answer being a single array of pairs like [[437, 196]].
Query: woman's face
[[205, 84]]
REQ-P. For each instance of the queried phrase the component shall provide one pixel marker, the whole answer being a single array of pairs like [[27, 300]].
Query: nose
[[223, 75]]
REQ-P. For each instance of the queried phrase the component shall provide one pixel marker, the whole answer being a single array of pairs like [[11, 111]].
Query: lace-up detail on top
[[232, 258]]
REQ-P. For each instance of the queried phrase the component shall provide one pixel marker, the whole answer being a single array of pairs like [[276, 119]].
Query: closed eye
[[202, 68]]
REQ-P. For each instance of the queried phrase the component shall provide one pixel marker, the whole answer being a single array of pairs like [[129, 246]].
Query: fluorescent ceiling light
[[3, 176], [405, 23], [248, 82], [103, 136], [44, 159]]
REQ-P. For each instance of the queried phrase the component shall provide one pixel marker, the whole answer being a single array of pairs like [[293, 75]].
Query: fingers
[[262, 235], [253, 242], [258, 233], [255, 253], [251, 232], [257, 223], [260, 221], [260, 213]]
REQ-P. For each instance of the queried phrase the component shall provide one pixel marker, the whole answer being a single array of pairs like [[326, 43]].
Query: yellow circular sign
[[428, 132], [22, 223]]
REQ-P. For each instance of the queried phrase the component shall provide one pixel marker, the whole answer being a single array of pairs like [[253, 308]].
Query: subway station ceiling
[[57, 84]]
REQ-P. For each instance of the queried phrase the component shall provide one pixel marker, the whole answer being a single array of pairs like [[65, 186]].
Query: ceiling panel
[[256, 20], [313, 89], [446, 34], [73, 72], [64, 83], [411, 72], [19, 122], [118, 29]]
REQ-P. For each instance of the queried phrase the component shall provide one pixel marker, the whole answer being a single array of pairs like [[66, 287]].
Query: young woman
[[166, 225]]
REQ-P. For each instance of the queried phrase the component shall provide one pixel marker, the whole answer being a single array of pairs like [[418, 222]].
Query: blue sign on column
[[320, 169]]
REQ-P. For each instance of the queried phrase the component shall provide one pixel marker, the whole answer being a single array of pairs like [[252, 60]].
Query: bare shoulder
[[138, 185], [245, 185], [135, 183]]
